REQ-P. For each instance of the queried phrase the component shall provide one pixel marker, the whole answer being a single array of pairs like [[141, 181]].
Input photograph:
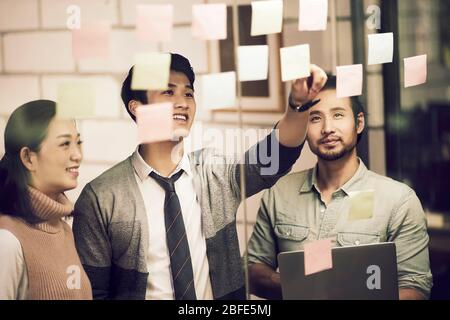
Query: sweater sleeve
[[13, 271]]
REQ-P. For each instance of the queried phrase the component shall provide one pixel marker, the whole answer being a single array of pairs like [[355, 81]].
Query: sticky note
[[295, 62], [381, 48], [151, 71], [209, 21], [267, 17], [313, 15], [318, 256], [349, 80], [253, 62], [361, 206], [91, 41], [415, 70], [154, 22], [217, 90], [75, 100], [155, 122]]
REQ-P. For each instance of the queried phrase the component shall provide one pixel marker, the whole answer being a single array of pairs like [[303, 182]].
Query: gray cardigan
[[111, 228]]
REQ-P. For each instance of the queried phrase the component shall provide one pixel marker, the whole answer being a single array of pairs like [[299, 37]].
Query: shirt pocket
[[291, 235], [346, 238]]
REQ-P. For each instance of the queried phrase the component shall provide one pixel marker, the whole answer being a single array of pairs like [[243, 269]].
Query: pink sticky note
[[318, 256], [349, 80], [154, 22], [209, 21], [415, 70], [91, 41], [155, 122], [313, 15]]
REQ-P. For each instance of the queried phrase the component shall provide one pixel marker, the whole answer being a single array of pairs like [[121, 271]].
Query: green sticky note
[[361, 205], [151, 71], [75, 100]]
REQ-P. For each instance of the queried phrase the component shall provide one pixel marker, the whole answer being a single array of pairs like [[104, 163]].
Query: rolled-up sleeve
[[262, 245], [408, 229]]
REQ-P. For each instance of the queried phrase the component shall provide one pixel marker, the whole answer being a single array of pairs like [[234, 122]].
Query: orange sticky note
[[349, 80], [154, 22], [267, 17], [209, 21], [313, 15], [91, 41], [318, 256], [155, 122], [415, 70]]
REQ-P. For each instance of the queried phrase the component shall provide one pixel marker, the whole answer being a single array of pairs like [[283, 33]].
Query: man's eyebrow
[[188, 86], [338, 109], [315, 112]]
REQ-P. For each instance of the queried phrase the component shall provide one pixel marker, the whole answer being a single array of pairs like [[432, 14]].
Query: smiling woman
[[42, 158]]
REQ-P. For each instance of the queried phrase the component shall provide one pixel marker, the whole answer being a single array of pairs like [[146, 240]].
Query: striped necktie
[[177, 243]]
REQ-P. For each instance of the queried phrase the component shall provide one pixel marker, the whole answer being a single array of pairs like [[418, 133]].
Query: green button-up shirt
[[292, 213]]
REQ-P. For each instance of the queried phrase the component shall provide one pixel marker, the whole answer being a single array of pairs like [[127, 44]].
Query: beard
[[337, 152]]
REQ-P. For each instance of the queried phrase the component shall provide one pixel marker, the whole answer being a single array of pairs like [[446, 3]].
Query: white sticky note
[[313, 15], [295, 62], [209, 21], [155, 122], [217, 91], [75, 100], [253, 62], [151, 71], [381, 48], [349, 80], [267, 17], [154, 22], [415, 70]]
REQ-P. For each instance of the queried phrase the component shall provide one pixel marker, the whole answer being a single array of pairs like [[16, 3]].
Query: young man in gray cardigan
[[162, 224]]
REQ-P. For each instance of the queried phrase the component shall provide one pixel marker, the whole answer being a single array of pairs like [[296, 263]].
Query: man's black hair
[[178, 63]]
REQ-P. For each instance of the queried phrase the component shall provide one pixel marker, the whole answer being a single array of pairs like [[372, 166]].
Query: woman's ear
[[28, 158], [361, 123], [132, 106]]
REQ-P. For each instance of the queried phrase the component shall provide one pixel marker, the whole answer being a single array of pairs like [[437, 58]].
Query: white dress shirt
[[159, 283]]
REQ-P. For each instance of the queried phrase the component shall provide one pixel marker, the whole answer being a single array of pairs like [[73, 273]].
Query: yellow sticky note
[[151, 71], [361, 205], [295, 62], [267, 17], [75, 100]]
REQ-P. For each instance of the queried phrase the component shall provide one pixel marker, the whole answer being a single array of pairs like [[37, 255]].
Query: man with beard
[[315, 204]]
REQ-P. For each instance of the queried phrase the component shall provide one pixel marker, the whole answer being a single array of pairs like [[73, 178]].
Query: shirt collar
[[351, 185], [143, 170]]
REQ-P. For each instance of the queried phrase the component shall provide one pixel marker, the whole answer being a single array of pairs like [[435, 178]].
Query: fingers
[[319, 78]]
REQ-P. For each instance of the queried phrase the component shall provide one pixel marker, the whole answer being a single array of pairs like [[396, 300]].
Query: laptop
[[364, 272]]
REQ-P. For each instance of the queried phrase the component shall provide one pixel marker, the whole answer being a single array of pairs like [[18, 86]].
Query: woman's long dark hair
[[26, 127]]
